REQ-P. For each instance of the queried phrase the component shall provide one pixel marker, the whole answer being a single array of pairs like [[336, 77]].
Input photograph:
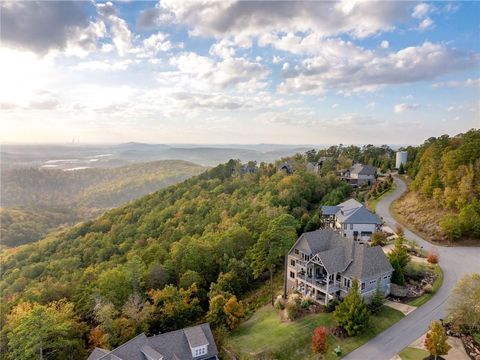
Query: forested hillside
[[446, 178], [160, 262], [35, 201]]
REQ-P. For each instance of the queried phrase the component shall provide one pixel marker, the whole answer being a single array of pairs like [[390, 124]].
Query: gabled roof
[[368, 262], [352, 212], [339, 254], [173, 345], [362, 216], [361, 169], [195, 336]]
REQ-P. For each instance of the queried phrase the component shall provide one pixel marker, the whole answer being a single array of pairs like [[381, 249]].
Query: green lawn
[[413, 354], [436, 285], [264, 336]]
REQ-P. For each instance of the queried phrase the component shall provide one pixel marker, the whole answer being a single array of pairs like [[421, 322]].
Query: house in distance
[[359, 175], [351, 219]]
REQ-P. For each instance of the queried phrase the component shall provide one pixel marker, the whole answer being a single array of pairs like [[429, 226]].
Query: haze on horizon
[[230, 72]]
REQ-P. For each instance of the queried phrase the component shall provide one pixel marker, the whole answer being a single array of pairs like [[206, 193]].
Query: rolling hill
[[35, 201]]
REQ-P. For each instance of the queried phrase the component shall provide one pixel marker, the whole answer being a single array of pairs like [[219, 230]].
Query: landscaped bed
[[423, 281], [266, 336]]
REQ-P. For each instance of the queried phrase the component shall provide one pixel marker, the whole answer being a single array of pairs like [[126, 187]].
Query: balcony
[[317, 282]]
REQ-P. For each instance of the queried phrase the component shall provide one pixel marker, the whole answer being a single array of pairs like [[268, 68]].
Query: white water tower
[[401, 158]]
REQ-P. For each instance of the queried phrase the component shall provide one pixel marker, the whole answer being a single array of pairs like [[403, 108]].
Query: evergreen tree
[[436, 340], [401, 169], [377, 300], [352, 314], [399, 258]]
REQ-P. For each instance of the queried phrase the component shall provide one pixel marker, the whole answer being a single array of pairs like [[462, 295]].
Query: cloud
[[426, 24], [119, 31], [384, 44], [400, 108], [106, 65], [42, 26], [456, 84], [222, 74], [153, 17], [345, 67], [251, 18], [421, 10]]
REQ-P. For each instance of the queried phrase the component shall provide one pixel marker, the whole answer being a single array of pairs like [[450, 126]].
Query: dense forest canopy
[[150, 265], [175, 257], [35, 201], [447, 170]]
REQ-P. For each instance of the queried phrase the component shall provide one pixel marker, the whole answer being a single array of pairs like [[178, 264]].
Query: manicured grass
[[436, 285], [413, 354], [265, 336]]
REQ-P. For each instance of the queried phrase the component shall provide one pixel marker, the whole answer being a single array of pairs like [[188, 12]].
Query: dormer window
[[199, 351]]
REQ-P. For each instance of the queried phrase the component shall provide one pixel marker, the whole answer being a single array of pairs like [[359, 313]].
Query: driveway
[[456, 262]]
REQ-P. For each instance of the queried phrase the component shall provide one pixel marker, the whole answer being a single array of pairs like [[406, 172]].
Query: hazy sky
[[238, 72]]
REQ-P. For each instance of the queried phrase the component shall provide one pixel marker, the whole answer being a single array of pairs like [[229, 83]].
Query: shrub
[[428, 288], [433, 256], [293, 306], [279, 303], [305, 304], [379, 238], [331, 306], [399, 230], [320, 340]]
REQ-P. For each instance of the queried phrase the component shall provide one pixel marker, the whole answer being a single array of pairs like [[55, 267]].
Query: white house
[[352, 220]]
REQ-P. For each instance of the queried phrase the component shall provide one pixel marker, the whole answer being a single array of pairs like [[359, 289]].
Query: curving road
[[456, 262]]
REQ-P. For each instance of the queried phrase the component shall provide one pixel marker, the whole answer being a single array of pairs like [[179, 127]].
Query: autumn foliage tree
[[49, 331], [320, 340], [436, 340]]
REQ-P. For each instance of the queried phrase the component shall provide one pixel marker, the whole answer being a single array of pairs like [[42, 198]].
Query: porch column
[[326, 296]]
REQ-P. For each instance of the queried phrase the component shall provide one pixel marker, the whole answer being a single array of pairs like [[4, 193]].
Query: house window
[[296, 252], [200, 351], [373, 282], [351, 226], [292, 274], [292, 262], [345, 226], [366, 233], [363, 286], [346, 282]]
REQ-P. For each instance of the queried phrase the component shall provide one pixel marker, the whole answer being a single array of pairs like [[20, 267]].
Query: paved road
[[456, 262]]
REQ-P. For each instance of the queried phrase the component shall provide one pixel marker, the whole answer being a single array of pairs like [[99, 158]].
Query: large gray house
[[322, 265], [190, 343], [351, 219], [360, 175]]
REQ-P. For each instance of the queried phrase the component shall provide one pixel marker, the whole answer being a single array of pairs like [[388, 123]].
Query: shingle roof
[[330, 210], [368, 262], [172, 345], [339, 254], [352, 212], [97, 353], [195, 336], [361, 169], [362, 216]]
